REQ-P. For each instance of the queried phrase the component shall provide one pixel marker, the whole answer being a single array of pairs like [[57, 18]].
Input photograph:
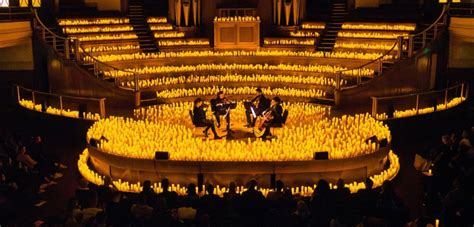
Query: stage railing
[[400, 106], [12, 13], [403, 44], [56, 40], [62, 105]]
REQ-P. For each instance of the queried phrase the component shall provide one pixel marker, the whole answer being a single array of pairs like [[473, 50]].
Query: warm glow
[[55, 111], [288, 92], [157, 20], [234, 78], [96, 29], [289, 41], [106, 48], [372, 35], [168, 34], [313, 25], [161, 27], [226, 67], [236, 19], [105, 36], [361, 44], [303, 33], [168, 128], [306, 191], [183, 42], [92, 21], [379, 26]]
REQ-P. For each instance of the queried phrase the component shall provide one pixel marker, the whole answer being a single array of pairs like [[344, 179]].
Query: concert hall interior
[[236, 113]]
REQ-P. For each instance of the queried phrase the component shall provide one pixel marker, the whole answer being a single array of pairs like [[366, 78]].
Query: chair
[[196, 125]]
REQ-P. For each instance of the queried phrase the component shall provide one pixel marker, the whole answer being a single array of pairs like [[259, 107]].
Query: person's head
[[198, 102], [220, 94], [259, 91], [275, 101], [322, 187], [232, 187], [38, 139], [340, 183], [465, 134], [368, 183], [301, 206], [146, 186], [387, 188], [279, 185], [191, 189], [165, 183], [93, 200], [210, 189], [252, 184], [22, 149], [142, 199], [446, 139], [83, 183], [72, 204]]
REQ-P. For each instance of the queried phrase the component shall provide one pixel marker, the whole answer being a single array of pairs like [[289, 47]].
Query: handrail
[[443, 12], [419, 93], [100, 101], [45, 27]]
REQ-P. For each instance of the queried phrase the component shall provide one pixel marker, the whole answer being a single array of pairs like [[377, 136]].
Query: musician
[[259, 104], [199, 115], [219, 107], [276, 113]]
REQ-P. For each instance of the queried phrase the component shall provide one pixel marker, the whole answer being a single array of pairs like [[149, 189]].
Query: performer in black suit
[[220, 107], [276, 119], [258, 104], [199, 115]]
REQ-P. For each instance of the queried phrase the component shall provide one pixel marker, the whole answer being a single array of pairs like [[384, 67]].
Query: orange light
[[23, 3]]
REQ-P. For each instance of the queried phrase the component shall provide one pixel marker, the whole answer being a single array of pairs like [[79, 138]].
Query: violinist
[[199, 115], [220, 107], [274, 113], [255, 107]]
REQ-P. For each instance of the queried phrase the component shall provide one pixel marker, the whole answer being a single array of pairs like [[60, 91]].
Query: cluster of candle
[[289, 92], [355, 44], [342, 137], [183, 42], [92, 21], [96, 37], [168, 34], [303, 33], [161, 27], [372, 35], [92, 29], [236, 19], [313, 25], [56, 111], [286, 41], [305, 191], [412, 112], [237, 53], [106, 48], [378, 26], [234, 66], [235, 78], [157, 20], [451, 103]]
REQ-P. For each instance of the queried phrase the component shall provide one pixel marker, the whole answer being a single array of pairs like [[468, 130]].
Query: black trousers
[[218, 115], [209, 125]]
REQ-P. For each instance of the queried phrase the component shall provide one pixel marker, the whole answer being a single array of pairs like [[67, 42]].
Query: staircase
[[137, 18], [329, 34]]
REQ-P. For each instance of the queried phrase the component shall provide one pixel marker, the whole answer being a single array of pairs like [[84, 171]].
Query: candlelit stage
[[125, 149]]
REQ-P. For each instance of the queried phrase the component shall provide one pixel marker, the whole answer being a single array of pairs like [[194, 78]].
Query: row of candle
[[56, 111], [305, 191], [178, 113], [304, 33], [95, 29], [192, 92], [412, 112], [157, 20], [236, 19], [101, 37], [378, 26], [372, 35], [168, 34], [354, 44], [313, 25], [234, 78], [342, 137], [226, 67], [92, 21], [237, 53], [106, 48], [183, 42], [286, 41], [161, 27]]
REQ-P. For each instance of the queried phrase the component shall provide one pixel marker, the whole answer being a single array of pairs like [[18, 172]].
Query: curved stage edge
[[293, 173]]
